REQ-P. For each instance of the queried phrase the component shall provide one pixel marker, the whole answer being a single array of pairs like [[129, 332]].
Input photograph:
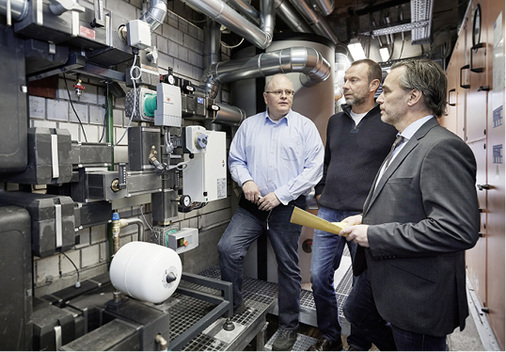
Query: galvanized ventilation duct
[[316, 22], [314, 68], [220, 12], [291, 17], [155, 14], [324, 6], [246, 10]]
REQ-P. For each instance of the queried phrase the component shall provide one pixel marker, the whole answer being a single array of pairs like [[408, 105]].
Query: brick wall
[[180, 46]]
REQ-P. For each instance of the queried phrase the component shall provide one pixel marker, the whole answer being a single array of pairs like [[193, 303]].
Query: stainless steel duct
[[316, 22], [212, 44], [229, 115], [267, 17], [308, 61], [291, 17], [222, 13], [156, 13], [324, 6], [246, 10]]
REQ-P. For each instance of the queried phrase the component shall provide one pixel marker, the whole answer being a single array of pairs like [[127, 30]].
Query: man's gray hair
[[429, 78]]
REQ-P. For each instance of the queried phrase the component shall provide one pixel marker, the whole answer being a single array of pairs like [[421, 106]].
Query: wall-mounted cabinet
[[476, 81]]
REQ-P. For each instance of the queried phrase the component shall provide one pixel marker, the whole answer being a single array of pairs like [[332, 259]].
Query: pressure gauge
[[185, 200], [171, 79]]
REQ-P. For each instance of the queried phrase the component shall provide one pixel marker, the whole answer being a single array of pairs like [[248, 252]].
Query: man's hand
[[251, 191], [353, 220], [354, 231], [269, 202], [317, 198], [357, 234]]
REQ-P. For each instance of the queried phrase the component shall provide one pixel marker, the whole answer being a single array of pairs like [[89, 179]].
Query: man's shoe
[[241, 308], [325, 345], [285, 340]]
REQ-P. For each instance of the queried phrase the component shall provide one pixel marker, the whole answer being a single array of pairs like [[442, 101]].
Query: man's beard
[[355, 101]]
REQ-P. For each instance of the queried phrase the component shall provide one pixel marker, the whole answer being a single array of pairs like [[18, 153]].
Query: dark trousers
[[410, 341], [243, 230], [360, 310]]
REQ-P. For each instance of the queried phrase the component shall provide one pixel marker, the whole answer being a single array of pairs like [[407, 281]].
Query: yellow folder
[[302, 217]]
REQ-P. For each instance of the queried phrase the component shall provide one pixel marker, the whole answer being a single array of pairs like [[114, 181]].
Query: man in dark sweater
[[357, 143]]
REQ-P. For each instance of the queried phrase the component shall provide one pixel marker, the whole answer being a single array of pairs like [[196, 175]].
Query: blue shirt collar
[[284, 118]]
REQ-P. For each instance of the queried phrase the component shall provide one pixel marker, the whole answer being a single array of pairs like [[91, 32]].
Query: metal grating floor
[[302, 343], [186, 311], [260, 297]]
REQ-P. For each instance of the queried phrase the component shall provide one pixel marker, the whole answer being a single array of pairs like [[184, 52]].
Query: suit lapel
[[410, 145]]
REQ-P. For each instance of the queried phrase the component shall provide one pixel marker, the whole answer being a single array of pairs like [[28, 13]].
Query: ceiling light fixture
[[385, 54], [356, 50]]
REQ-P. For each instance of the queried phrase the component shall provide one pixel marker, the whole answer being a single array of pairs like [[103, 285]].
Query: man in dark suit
[[420, 216]]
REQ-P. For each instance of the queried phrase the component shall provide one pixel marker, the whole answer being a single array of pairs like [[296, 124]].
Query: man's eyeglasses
[[287, 92]]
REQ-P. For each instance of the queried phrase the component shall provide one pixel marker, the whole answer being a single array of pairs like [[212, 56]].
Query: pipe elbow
[[317, 69], [156, 13], [211, 82]]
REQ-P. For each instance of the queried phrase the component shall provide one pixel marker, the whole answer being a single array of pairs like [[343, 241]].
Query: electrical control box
[[205, 176], [179, 240], [139, 34], [168, 105]]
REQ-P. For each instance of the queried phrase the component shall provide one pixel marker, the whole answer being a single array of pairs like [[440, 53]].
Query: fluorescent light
[[385, 54], [356, 50]]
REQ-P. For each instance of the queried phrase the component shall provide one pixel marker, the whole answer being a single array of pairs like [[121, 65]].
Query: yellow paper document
[[302, 217]]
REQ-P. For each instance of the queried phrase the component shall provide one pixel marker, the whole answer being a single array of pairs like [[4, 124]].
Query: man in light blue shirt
[[277, 157]]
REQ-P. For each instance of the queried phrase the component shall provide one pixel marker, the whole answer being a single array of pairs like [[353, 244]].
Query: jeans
[[360, 310], [326, 255], [410, 341], [243, 230]]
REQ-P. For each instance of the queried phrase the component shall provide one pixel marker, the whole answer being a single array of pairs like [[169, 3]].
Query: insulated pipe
[[220, 12], [315, 21], [325, 6], [307, 61], [155, 14], [18, 9], [291, 17]]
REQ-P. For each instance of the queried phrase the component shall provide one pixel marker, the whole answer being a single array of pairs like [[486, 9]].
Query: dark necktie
[[397, 142]]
